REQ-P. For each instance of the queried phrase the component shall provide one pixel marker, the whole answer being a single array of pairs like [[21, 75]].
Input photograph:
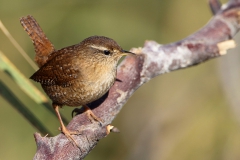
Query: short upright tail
[[43, 47]]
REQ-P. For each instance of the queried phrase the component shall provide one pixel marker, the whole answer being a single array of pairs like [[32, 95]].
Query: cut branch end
[[224, 46]]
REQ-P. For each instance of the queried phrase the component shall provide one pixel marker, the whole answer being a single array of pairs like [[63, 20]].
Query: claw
[[77, 111]]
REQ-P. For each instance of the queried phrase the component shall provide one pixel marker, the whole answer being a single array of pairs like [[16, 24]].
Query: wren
[[76, 75]]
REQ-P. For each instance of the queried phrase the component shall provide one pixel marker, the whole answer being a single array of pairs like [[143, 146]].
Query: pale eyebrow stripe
[[99, 47]]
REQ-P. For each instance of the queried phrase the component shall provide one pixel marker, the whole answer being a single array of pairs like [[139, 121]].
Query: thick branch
[[152, 60]]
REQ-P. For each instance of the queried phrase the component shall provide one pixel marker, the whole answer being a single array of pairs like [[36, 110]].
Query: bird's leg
[[63, 129], [89, 112]]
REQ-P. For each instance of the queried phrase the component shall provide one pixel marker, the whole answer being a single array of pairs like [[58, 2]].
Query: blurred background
[[188, 114]]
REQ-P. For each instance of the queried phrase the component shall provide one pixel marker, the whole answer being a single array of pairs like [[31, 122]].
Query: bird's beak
[[124, 53]]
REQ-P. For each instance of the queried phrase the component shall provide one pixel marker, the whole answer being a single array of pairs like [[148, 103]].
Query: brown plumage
[[82, 73], [75, 75], [43, 47]]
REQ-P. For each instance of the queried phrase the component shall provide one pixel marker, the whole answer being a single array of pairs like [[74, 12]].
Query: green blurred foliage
[[183, 115]]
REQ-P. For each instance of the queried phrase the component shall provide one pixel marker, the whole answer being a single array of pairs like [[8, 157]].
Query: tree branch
[[151, 60]]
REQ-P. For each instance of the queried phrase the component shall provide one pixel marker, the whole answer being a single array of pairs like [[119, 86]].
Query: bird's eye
[[106, 52]]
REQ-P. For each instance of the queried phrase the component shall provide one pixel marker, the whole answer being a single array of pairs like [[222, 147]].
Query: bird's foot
[[69, 134], [91, 116], [77, 111]]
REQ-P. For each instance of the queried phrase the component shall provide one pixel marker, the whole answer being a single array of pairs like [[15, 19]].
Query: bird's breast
[[83, 90]]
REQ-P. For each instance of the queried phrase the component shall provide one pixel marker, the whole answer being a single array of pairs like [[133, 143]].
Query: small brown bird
[[76, 75]]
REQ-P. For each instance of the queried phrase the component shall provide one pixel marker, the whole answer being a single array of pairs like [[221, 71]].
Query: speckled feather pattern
[[79, 74]]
